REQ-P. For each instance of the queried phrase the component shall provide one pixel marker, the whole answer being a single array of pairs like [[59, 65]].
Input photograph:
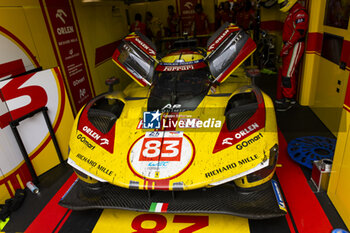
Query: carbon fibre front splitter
[[266, 202]]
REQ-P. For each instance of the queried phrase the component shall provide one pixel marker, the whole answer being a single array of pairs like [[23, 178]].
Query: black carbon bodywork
[[178, 91], [240, 108], [188, 104], [224, 199]]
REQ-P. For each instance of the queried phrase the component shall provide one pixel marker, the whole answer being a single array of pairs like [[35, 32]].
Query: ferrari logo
[[156, 175]]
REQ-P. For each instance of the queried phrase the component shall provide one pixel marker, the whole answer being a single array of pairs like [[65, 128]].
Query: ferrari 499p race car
[[179, 139]]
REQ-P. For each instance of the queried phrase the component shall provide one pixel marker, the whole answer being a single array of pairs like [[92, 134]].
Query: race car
[[179, 139]]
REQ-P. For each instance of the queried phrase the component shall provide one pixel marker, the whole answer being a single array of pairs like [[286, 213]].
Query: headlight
[[261, 176]]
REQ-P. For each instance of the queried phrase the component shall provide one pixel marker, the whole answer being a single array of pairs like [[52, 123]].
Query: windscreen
[[182, 84]]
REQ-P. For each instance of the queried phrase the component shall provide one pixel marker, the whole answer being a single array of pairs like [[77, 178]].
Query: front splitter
[[265, 202]]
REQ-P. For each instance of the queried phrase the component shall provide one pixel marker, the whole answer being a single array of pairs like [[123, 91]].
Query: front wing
[[264, 202]]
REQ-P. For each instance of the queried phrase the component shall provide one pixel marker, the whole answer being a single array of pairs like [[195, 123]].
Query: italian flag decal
[[158, 207]]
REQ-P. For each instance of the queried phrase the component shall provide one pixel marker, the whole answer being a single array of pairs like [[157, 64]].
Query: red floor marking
[[307, 212], [51, 215], [63, 221], [290, 224]]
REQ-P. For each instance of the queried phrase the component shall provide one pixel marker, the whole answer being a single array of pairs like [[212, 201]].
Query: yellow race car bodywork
[[188, 132], [201, 166]]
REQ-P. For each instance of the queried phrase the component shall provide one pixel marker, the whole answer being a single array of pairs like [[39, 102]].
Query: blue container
[[338, 230], [305, 150]]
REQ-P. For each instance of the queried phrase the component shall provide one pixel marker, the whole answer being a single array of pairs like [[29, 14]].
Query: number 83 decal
[[162, 156], [161, 149]]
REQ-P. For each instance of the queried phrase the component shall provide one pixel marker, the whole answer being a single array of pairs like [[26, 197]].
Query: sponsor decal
[[104, 170], [171, 108], [178, 68], [220, 170], [104, 141], [65, 36], [158, 207], [78, 81], [158, 165], [248, 142], [247, 160], [154, 134], [227, 141], [82, 94], [90, 132], [60, 14], [85, 142], [181, 63], [65, 30], [94, 164], [181, 66], [221, 38], [278, 195], [87, 160], [218, 40], [254, 124], [96, 137], [151, 120], [150, 155], [145, 46], [159, 149], [248, 130], [230, 166]]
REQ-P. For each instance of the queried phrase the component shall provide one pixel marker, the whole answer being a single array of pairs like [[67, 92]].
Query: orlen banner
[[65, 31], [19, 96]]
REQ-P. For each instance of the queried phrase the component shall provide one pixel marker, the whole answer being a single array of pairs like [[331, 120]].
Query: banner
[[61, 20]]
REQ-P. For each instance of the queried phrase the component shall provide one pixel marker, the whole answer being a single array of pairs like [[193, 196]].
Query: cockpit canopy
[[226, 49]]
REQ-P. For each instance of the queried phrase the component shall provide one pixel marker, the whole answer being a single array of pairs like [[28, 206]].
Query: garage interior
[[68, 46]]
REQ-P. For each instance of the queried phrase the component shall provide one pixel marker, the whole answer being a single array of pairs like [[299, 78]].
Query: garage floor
[[309, 212]]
